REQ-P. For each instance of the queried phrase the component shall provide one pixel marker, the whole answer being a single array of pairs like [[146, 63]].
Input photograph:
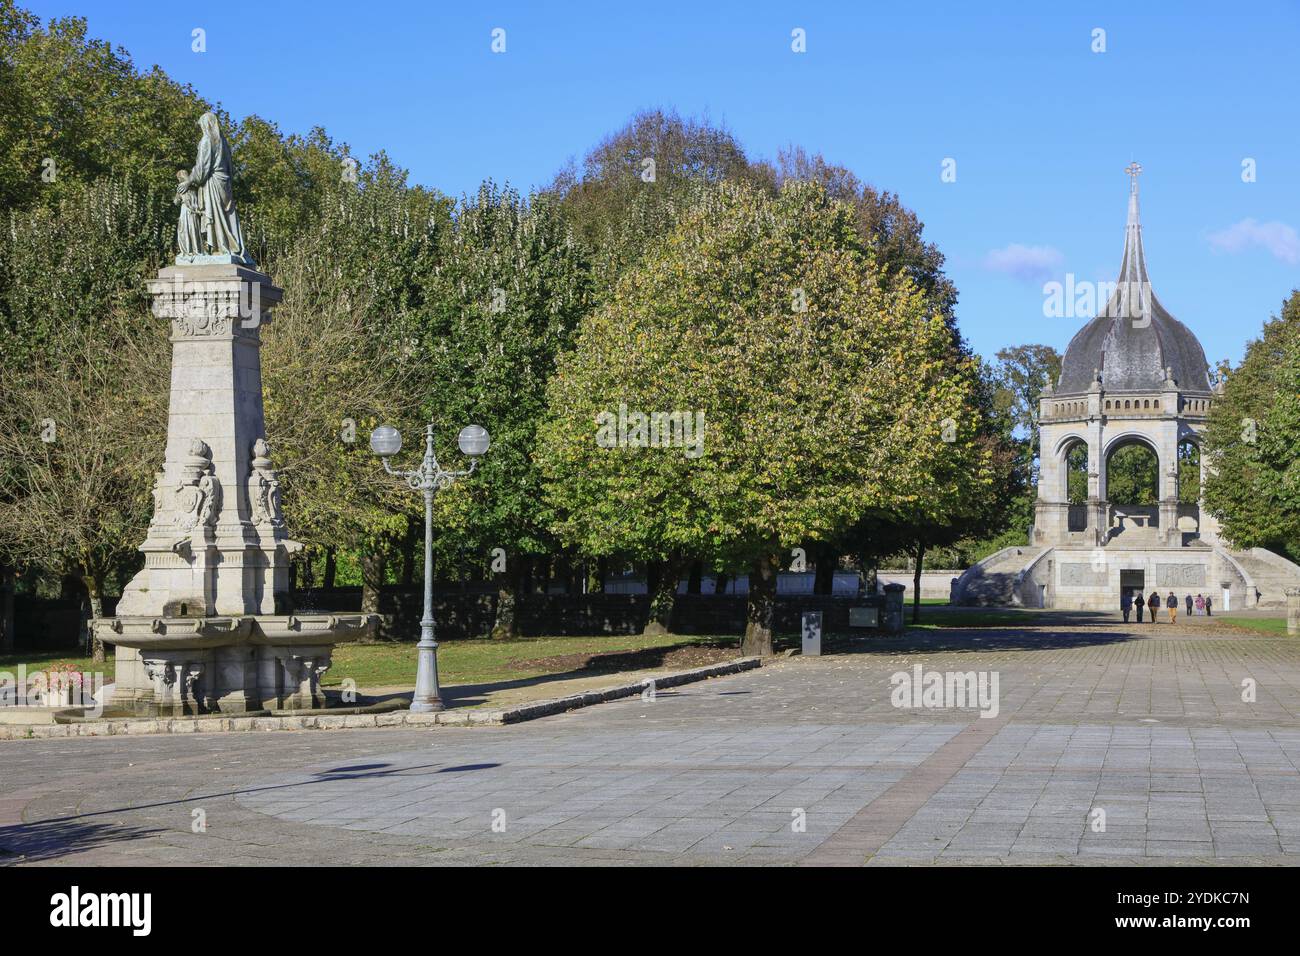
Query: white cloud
[[1281, 241], [1026, 263]]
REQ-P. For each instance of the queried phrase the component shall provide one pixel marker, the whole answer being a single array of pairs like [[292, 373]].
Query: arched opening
[[1133, 474], [1189, 486], [1075, 472], [1189, 472], [1133, 489]]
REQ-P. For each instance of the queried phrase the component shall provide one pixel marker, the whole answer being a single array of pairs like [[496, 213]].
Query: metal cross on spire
[[1134, 169]]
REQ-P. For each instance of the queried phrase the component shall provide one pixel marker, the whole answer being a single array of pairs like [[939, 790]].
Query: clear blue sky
[[1040, 126]]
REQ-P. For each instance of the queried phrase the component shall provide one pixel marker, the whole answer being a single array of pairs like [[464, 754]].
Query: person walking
[[1139, 602], [1153, 605], [1172, 603], [1188, 602], [1200, 604], [1209, 606], [1126, 603]]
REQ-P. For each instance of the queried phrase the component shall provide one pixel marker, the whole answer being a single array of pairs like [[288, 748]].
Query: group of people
[[1201, 604]]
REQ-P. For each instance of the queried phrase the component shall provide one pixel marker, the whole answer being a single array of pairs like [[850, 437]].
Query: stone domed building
[[1134, 375]]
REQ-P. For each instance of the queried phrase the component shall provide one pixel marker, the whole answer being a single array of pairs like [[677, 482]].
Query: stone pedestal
[[207, 624], [1293, 612], [893, 614]]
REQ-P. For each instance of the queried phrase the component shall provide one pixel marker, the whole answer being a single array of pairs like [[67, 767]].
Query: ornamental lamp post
[[386, 441]]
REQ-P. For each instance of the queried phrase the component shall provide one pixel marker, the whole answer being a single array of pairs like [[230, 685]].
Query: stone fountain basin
[[313, 628], [197, 633]]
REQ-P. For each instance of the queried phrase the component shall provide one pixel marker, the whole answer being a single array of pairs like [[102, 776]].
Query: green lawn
[[485, 661], [459, 662], [45, 660], [1266, 625]]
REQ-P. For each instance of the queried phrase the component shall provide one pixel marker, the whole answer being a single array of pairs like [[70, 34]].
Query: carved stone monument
[[207, 624]]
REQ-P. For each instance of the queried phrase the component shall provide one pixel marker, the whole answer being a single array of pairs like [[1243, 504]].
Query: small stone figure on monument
[[208, 227], [189, 230]]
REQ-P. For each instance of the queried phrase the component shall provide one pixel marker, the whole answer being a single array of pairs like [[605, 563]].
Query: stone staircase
[[1271, 574], [993, 581]]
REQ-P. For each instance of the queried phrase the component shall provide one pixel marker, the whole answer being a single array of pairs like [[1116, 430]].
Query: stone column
[[1098, 505], [1293, 612], [208, 551]]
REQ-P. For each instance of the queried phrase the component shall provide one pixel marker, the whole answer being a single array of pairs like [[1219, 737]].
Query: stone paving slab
[[804, 760]]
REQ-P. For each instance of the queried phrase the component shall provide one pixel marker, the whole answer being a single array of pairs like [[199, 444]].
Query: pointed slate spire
[[1133, 296], [1133, 339]]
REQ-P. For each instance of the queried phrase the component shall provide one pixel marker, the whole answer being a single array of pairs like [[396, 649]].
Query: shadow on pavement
[[52, 839]]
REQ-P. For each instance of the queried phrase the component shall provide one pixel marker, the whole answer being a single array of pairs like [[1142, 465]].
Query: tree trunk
[[694, 582], [662, 588], [824, 582], [409, 546], [761, 608], [602, 572], [720, 583], [8, 578], [916, 583], [331, 569], [508, 583], [373, 564], [95, 593]]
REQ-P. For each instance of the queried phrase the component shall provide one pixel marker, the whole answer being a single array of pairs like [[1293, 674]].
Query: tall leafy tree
[[1022, 372], [975, 482], [503, 304], [1253, 440], [74, 109], [84, 404], [823, 391], [339, 358], [363, 265], [891, 232], [636, 183]]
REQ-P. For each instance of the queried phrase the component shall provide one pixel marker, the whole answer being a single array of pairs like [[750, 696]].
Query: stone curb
[[455, 718]]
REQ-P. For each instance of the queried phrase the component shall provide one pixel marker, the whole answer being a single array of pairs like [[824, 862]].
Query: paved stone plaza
[[1145, 723]]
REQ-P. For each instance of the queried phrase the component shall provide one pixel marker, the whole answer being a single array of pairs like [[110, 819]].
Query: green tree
[[823, 393], [1253, 440], [975, 485], [636, 183], [84, 404], [342, 353], [74, 109], [1133, 476], [1022, 372], [889, 230], [503, 303]]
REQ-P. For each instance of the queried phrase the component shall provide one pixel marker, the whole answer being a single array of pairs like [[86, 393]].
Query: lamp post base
[[428, 696]]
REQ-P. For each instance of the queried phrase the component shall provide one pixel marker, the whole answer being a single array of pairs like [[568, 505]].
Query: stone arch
[[1063, 452], [1125, 440]]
